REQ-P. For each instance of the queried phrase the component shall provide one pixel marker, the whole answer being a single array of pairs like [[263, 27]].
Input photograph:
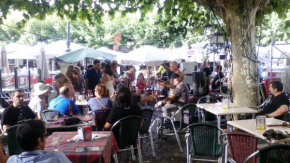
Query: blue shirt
[[39, 156], [260, 71], [63, 105], [95, 105]]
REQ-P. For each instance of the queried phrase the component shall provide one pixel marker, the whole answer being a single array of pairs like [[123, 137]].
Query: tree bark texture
[[242, 35]]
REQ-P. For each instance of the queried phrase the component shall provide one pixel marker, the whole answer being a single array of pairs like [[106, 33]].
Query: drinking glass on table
[[86, 113], [80, 98], [55, 142]]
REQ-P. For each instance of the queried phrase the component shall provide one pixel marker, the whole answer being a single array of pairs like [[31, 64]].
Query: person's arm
[[107, 126], [2, 157], [76, 110], [104, 79], [87, 84], [147, 98], [167, 85], [5, 127], [282, 110], [166, 100]]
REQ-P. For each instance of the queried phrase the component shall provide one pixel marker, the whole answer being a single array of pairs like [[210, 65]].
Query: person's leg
[[168, 108]]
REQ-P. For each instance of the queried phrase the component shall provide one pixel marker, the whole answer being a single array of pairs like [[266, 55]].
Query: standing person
[[108, 79], [62, 102], [80, 84], [16, 113], [69, 73], [206, 69], [168, 72], [114, 66], [216, 83], [36, 104], [174, 68], [100, 99], [31, 137], [130, 74], [60, 80], [141, 83], [83, 71], [94, 76]]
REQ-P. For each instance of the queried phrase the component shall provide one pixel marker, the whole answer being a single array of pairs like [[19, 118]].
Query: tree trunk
[[245, 75]]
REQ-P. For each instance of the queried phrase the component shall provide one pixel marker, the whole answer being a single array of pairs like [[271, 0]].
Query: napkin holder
[[85, 133]]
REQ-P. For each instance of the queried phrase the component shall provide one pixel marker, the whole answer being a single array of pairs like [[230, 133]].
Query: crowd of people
[[110, 90]]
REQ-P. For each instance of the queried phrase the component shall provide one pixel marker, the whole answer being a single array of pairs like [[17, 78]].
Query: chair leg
[[132, 152], [187, 149], [139, 154], [177, 136], [189, 159], [115, 156], [151, 142]]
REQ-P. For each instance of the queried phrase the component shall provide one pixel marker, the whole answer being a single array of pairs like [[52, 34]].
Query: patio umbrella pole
[[29, 82], [15, 78]]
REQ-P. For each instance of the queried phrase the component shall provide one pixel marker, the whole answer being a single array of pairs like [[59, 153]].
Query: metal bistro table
[[250, 127], [57, 126], [217, 109], [103, 140]]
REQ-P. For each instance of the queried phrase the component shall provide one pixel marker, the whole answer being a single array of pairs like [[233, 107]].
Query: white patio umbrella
[[4, 61], [146, 54], [42, 65]]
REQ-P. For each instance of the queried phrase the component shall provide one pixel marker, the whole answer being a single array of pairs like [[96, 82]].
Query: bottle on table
[[70, 111]]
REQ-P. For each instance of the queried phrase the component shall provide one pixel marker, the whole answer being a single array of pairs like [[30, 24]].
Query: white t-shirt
[[36, 104]]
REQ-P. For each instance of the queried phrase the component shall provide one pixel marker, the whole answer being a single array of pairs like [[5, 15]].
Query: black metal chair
[[144, 132], [13, 146], [278, 153], [100, 117], [126, 131]]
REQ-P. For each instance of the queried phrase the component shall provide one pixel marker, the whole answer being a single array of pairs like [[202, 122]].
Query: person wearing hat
[[36, 104], [16, 113], [178, 98], [216, 83]]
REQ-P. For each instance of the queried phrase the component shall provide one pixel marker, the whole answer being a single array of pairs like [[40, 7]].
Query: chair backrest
[[203, 99], [50, 114], [278, 153], [147, 116], [189, 115], [126, 130], [13, 146], [242, 145], [3, 103], [204, 139], [100, 117]]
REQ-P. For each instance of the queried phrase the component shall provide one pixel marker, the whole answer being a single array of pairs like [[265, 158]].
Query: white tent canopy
[[146, 54], [58, 48], [20, 51]]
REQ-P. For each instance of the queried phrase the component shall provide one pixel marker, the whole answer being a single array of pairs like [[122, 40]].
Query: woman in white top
[[39, 93], [108, 79]]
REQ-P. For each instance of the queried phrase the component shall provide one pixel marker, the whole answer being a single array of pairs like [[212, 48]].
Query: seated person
[[278, 107], [178, 98], [216, 83], [36, 103], [124, 108], [31, 136], [62, 102], [101, 99], [17, 112]]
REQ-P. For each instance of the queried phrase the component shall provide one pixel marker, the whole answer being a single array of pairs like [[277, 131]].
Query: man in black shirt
[[16, 113], [279, 104], [216, 83], [94, 76], [168, 72]]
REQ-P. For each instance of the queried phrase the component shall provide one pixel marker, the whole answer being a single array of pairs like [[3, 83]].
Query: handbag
[[71, 121]]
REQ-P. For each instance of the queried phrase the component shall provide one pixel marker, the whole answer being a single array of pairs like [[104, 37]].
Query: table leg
[[161, 132]]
